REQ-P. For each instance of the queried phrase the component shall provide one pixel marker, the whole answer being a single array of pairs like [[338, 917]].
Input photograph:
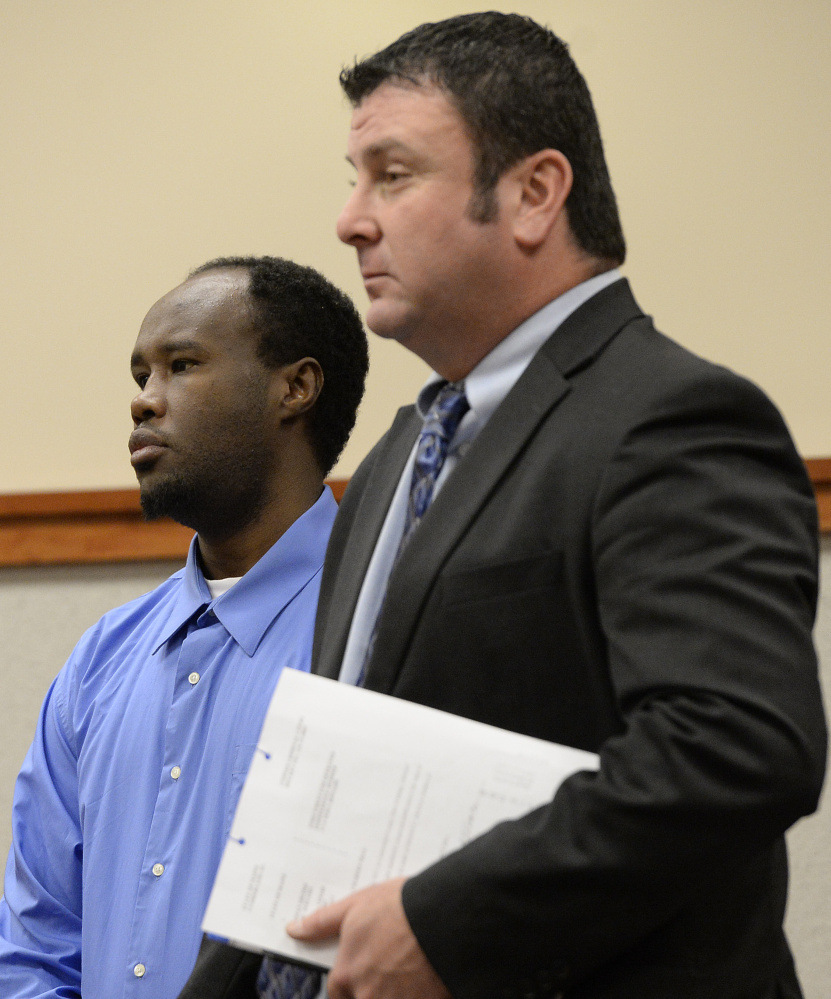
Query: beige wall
[[140, 139]]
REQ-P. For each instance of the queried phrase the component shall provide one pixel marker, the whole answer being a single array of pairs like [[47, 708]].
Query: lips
[[370, 270], [373, 283], [370, 277], [145, 446]]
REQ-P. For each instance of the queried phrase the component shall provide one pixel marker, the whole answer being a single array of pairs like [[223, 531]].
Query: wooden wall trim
[[820, 471], [101, 526], [107, 526]]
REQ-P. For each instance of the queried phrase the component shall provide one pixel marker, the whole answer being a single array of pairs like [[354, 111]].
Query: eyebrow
[[382, 148], [172, 346]]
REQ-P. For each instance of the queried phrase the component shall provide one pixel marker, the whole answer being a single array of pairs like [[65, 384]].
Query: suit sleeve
[[703, 551], [40, 914]]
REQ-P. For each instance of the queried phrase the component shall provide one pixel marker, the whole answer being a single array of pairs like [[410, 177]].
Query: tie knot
[[448, 408], [440, 424]]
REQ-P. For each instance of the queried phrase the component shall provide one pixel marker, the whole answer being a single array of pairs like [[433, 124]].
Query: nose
[[357, 224], [149, 403]]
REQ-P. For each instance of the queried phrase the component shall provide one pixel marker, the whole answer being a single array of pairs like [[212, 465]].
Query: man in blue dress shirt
[[249, 376]]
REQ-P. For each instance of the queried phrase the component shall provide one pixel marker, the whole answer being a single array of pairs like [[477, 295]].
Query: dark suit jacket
[[222, 972], [624, 561]]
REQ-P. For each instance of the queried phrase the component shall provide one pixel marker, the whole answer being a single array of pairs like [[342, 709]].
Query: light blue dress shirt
[[485, 387], [125, 799]]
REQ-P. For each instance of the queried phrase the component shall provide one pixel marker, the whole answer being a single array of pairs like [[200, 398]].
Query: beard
[[213, 502]]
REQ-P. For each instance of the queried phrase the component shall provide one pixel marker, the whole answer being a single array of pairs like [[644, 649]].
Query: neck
[[235, 554], [456, 356]]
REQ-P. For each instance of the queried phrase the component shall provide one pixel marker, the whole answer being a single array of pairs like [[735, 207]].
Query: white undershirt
[[220, 586]]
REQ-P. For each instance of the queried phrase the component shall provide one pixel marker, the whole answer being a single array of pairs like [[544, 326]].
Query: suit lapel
[[542, 386], [586, 332], [448, 517], [335, 614]]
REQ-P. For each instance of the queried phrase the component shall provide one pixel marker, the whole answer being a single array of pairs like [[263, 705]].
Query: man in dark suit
[[608, 542]]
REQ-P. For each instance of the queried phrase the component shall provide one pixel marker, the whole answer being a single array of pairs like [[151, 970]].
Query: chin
[[166, 497], [390, 321]]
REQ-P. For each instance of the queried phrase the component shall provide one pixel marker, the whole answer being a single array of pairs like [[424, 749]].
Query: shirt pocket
[[243, 755]]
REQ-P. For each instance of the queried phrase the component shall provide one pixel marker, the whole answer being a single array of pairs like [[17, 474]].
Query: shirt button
[[139, 971], [193, 678], [158, 870], [176, 773]]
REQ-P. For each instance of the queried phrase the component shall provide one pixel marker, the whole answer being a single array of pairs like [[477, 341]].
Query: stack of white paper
[[349, 787]]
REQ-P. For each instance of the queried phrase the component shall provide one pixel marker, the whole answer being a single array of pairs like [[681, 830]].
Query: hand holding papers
[[350, 787]]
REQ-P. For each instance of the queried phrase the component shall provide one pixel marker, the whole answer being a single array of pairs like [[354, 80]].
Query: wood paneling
[[107, 525], [820, 471], [102, 526]]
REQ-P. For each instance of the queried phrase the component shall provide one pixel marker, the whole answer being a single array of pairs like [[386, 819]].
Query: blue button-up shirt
[[125, 799]]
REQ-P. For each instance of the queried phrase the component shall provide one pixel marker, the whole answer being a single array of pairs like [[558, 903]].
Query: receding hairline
[[228, 290]]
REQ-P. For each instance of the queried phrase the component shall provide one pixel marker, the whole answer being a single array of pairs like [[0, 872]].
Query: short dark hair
[[518, 91], [298, 313]]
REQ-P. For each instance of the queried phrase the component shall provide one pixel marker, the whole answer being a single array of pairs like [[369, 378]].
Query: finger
[[320, 924], [338, 984]]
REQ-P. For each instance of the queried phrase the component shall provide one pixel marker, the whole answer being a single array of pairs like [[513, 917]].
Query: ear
[[298, 385], [543, 181]]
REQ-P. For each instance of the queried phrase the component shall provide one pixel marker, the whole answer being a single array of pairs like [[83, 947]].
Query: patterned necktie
[[286, 981], [440, 425]]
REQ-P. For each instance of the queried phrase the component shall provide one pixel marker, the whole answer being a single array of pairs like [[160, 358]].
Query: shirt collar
[[497, 373], [249, 607]]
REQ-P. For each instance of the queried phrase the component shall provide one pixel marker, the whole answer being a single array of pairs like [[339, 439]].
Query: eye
[[140, 378], [181, 364], [392, 176]]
